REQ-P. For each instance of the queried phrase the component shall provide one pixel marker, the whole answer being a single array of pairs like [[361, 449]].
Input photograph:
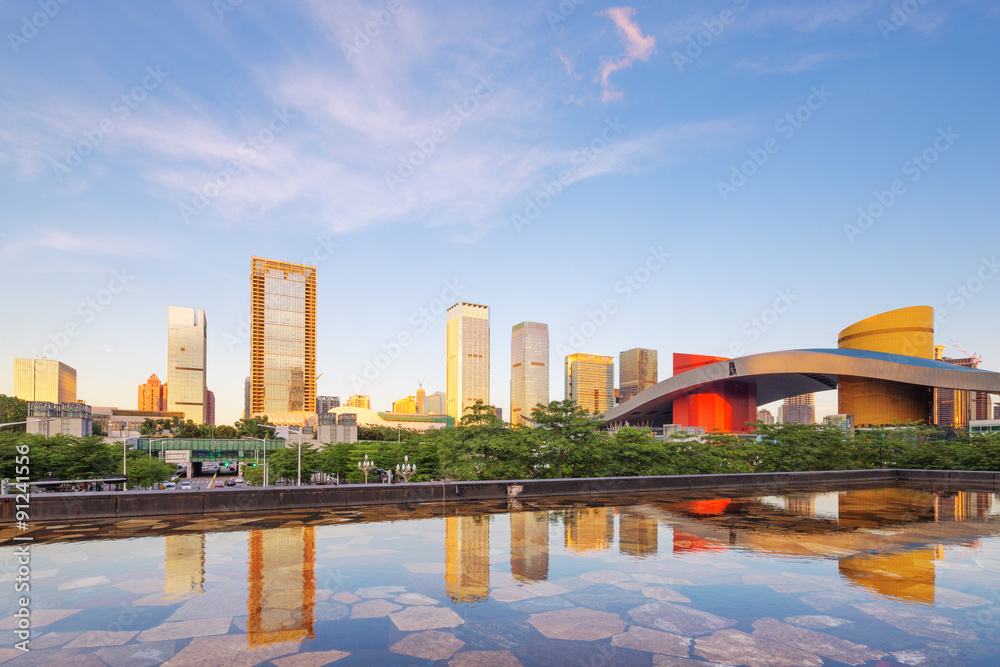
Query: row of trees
[[175, 427]]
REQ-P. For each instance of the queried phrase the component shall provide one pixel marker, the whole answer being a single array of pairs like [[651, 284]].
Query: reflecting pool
[[889, 576]]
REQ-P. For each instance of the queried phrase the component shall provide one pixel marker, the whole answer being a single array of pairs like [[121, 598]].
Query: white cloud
[[637, 47]]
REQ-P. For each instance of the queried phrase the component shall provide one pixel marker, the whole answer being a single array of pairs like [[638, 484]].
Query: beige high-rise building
[[468, 357], [187, 332], [637, 372], [45, 380], [590, 382], [529, 369], [799, 409], [282, 341]]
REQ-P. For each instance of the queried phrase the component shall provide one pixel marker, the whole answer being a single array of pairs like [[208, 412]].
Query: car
[[185, 486], [219, 485], [239, 480], [230, 482], [168, 485]]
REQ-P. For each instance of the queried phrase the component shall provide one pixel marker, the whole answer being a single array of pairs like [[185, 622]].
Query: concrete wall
[[122, 505]]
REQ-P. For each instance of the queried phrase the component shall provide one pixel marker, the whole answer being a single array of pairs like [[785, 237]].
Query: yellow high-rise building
[[529, 545], [874, 402], [529, 369], [360, 401], [637, 533], [589, 529], [153, 395], [281, 603], [187, 332], [282, 341], [468, 357], [637, 372], [590, 382], [405, 406], [467, 558], [45, 380]]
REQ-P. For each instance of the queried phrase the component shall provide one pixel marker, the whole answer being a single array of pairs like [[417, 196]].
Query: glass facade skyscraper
[[186, 335], [282, 340], [529, 369], [637, 371], [468, 357], [44, 380], [590, 381]]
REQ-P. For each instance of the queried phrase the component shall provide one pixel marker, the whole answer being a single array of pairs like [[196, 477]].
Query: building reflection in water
[[589, 529], [529, 545], [637, 532], [184, 571], [467, 558], [282, 585], [905, 575]]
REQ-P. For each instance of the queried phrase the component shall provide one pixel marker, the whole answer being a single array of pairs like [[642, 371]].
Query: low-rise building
[[48, 419]]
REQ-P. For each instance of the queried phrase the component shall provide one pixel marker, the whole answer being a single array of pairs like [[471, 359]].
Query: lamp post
[[299, 471], [407, 470], [263, 442], [365, 467]]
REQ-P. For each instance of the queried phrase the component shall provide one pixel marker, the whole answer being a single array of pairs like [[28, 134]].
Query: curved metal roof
[[780, 375]]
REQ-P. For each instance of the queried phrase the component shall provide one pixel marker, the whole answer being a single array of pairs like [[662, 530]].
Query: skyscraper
[[468, 357], [210, 407], [954, 407], [325, 403], [282, 340], [45, 380], [360, 401], [153, 395], [246, 398], [529, 369], [800, 409], [186, 334], [637, 371], [590, 381]]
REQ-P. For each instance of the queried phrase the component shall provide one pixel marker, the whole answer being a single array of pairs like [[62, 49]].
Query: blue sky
[[532, 157]]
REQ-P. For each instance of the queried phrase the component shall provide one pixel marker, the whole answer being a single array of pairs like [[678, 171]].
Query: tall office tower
[[326, 403], [281, 604], [954, 407], [421, 399], [467, 557], [184, 570], [246, 398], [468, 357], [529, 369], [282, 340], [765, 416], [210, 407], [637, 533], [800, 409], [436, 403], [186, 334], [360, 401], [153, 395], [529, 545], [44, 380], [405, 406], [590, 381], [637, 369], [590, 529]]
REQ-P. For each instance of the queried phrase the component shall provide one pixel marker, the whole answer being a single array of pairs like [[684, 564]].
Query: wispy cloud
[[637, 47], [802, 63]]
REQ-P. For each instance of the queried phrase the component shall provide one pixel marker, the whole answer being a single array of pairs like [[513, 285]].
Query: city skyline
[[817, 150]]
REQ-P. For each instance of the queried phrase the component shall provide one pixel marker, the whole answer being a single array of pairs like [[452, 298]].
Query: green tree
[[227, 432], [253, 428], [566, 428], [13, 409], [143, 473], [188, 429], [283, 463]]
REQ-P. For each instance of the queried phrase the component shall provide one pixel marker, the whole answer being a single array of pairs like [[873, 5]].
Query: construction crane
[[975, 357]]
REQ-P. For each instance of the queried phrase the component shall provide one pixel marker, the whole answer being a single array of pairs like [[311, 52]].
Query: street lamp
[[264, 447], [407, 470], [298, 481], [365, 467]]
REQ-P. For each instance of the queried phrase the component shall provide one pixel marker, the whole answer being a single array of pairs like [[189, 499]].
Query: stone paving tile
[[684, 621], [330, 611], [52, 639], [541, 604], [425, 618], [630, 585], [85, 582], [732, 647], [811, 641], [816, 622], [380, 591], [661, 593], [137, 655], [916, 621], [484, 659], [39, 618], [657, 579], [345, 597], [544, 589], [947, 597], [141, 586], [934, 654], [231, 651], [429, 645], [653, 641], [425, 568], [226, 599], [186, 629], [373, 609], [571, 583], [577, 623], [102, 638], [414, 599], [511, 594], [605, 577], [671, 661], [310, 659]]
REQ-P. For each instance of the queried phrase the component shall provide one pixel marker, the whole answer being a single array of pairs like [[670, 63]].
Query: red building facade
[[726, 405]]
